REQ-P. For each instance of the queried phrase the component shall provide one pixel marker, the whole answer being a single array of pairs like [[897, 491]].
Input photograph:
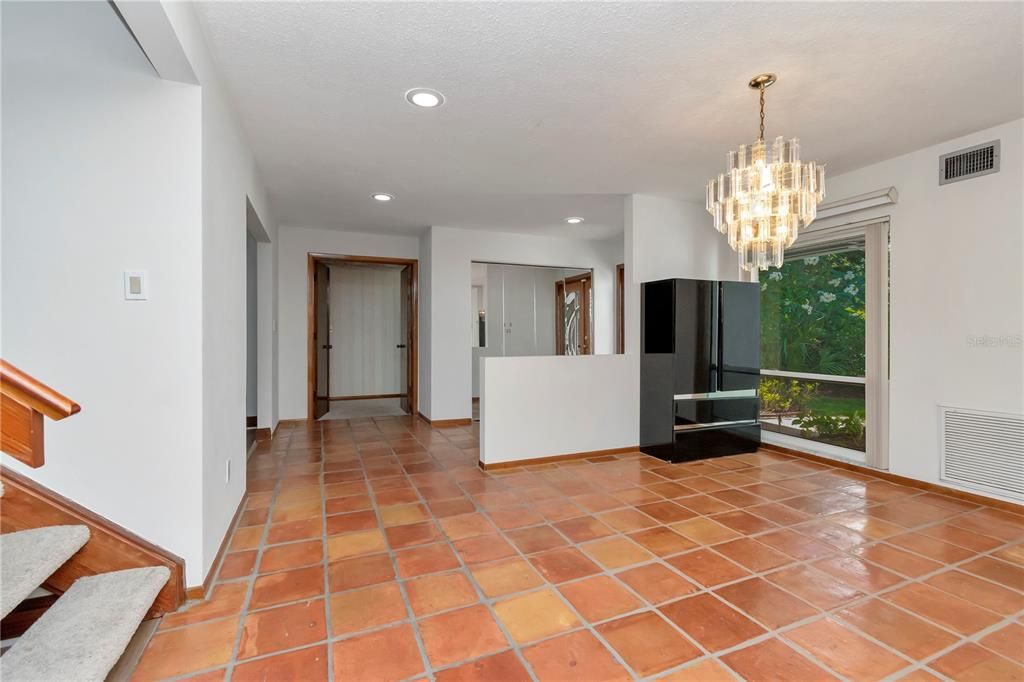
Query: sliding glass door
[[824, 323]]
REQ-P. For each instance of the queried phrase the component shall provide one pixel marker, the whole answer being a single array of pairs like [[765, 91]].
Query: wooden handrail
[[23, 404], [34, 394]]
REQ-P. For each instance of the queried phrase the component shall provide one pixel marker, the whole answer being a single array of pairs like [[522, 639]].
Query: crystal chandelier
[[762, 201]]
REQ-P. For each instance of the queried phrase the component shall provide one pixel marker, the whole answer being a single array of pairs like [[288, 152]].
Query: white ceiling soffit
[[556, 109], [153, 32]]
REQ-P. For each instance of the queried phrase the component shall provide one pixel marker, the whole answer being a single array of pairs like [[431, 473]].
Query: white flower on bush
[[826, 296], [811, 260], [835, 282], [808, 307], [775, 275], [851, 290], [764, 286], [849, 275]]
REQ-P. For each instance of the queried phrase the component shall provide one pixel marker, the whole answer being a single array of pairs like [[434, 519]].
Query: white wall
[[675, 238], [670, 237], [451, 251], [294, 246], [101, 174], [425, 299], [229, 178], [956, 274], [366, 329], [530, 406]]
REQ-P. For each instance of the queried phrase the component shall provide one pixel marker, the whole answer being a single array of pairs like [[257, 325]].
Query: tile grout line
[[414, 625], [447, 471], [584, 624], [247, 600], [823, 614], [770, 631], [325, 559], [869, 542], [481, 596]]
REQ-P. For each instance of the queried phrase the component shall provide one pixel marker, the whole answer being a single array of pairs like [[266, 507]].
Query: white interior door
[[366, 330], [519, 308]]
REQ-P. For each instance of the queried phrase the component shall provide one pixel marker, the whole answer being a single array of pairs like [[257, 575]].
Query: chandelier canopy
[[763, 200]]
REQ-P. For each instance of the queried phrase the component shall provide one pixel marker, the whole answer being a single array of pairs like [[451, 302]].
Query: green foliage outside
[[812, 315], [780, 397], [812, 320], [844, 430]]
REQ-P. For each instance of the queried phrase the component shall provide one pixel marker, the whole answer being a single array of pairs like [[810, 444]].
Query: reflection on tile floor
[[376, 550]]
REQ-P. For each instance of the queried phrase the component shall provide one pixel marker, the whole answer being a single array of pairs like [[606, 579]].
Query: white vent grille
[[982, 449], [969, 163]]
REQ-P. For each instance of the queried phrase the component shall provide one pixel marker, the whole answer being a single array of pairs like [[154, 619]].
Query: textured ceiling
[[557, 109]]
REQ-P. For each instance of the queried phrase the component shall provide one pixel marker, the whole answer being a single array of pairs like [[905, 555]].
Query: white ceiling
[[560, 108]]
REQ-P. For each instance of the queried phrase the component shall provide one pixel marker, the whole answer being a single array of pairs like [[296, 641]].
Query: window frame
[[876, 233]]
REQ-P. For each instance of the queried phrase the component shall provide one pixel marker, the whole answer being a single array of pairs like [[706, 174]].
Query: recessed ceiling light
[[575, 220], [425, 97], [382, 196]]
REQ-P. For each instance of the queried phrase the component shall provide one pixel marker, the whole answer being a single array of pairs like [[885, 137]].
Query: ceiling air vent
[[969, 163], [982, 449]]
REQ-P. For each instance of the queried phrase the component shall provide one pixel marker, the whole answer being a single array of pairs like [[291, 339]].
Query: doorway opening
[[362, 336], [257, 418], [251, 397]]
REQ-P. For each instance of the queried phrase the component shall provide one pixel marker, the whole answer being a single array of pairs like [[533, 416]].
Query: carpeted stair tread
[[29, 557], [85, 632]]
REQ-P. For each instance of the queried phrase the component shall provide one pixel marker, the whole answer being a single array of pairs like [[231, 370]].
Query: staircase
[[83, 634]]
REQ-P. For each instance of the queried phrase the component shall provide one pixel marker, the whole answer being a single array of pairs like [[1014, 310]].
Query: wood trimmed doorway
[[581, 342], [318, 344]]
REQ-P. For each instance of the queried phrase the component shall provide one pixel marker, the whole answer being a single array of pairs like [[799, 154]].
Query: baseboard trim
[[445, 423], [294, 422], [200, 591], [335, 398], [901, 480], [557, 458], [111, 547]]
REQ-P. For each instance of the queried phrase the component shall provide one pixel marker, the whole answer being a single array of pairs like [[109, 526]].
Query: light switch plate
[[135, 288]]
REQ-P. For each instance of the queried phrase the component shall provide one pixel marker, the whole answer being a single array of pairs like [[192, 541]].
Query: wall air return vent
[[965, 164], [982, 449]]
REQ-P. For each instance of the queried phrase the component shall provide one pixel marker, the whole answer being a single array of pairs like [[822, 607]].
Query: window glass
[[812, 329]]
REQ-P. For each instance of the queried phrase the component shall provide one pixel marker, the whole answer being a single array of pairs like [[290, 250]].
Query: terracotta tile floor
[[376, 550]]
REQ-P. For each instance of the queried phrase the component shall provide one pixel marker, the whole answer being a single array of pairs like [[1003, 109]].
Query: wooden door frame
[[588, 321], [620, 308], [413, 351]]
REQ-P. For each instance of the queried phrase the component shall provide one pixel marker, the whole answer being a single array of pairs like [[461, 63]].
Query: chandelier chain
[[761, 135]]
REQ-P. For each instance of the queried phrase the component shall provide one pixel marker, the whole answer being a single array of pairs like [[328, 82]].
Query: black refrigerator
[[700, 366]]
